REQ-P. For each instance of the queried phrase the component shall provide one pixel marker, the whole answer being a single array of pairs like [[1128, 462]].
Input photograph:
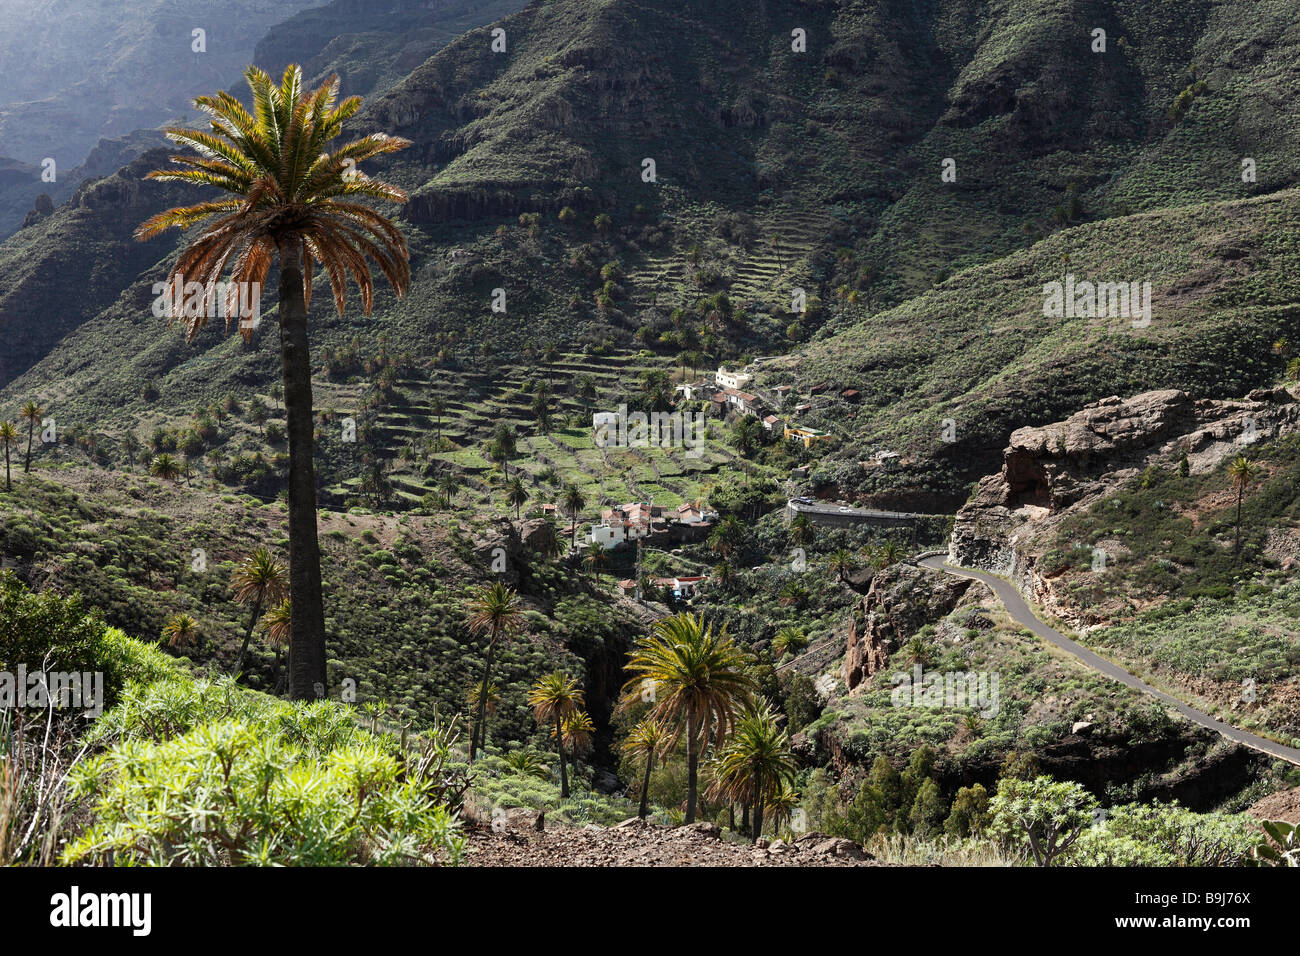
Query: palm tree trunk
[[1236, 543], [248, 636], [692, 772], [559, 743], [307, 627], [480, 716], [8, 484], [644, 810], [31, 426], [758, 807]]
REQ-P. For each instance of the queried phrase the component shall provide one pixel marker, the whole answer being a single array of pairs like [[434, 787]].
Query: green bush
[[206, 773]]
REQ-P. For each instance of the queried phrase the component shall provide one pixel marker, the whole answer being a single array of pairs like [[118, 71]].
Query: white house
[[732, 379]]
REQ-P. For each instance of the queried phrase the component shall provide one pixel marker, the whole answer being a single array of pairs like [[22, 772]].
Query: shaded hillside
[[106, 68], [977, 350], [775, 169]]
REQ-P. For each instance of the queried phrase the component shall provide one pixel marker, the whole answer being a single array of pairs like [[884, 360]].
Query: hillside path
[[1023, 614]]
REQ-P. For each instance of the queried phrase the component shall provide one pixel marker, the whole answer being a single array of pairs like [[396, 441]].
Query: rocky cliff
[[1051, 471]]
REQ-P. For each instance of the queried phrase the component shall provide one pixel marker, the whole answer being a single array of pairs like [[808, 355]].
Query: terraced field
[[474, 404]]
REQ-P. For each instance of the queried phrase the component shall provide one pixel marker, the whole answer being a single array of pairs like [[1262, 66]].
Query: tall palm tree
[[555, 699], [181, 630], [277, 623], [496, 610], [8, 435], [259, 580], [755, 764], [699, 681], [166, 467], [31, 413], [573, 501], [1242, 474], [646, 740], [294, 201], [438, 408], [516, 494]]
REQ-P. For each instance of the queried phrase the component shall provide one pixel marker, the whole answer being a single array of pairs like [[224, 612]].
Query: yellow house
[[806, 435]]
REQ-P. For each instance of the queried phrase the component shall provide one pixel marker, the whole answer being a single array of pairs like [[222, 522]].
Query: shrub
[[1041, 817], [206, 773]]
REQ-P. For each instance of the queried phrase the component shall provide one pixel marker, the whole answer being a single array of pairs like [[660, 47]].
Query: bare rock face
[[901, 600], [1049, 469]]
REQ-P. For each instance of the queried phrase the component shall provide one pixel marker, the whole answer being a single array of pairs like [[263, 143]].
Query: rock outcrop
[[901, 600], [1049, 470]]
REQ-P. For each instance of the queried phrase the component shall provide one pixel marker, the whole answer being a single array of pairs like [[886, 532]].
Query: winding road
[[1023, 614]]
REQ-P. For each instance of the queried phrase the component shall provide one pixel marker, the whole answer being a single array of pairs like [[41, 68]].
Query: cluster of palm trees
[[260, 581], [695, 684], [11, 435]]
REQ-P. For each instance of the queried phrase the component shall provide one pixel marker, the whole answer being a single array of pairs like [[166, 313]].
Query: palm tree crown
[[287, 188]]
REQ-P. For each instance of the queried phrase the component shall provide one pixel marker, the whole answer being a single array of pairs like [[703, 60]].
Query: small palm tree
[[516, 494], [573, 501], [528, 763], [447, 486], [727, 538], [755, 764], [166, 467], [8, 435], [889, 553], [646, 740], [277, 624], [556, 698], [294, 202], [841, 563], [259, 580], [32, 414], [1242, 474], [578, 734], [494, 609], [699, 683], [181, 630], [788, 640]]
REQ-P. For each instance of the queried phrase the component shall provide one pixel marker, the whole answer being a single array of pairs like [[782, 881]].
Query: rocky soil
[[522, 838]]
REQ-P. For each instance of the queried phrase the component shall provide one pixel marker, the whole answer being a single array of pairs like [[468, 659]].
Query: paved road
[[849, 512], [1022, 613]]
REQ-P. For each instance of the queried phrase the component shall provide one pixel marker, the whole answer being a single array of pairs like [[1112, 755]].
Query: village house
[[771, 423], [806, 435], [629, 522], [734, 380], [637, 520], [694, 391], [732, 399]]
